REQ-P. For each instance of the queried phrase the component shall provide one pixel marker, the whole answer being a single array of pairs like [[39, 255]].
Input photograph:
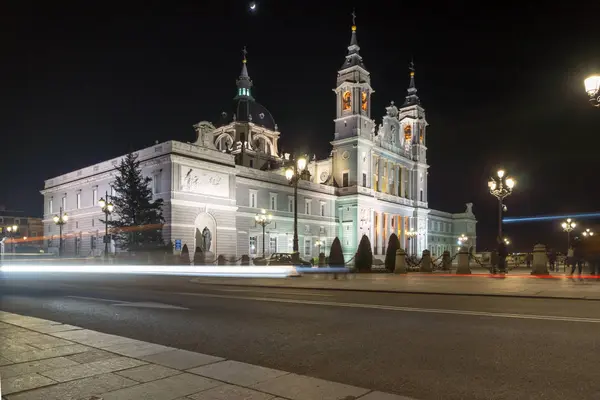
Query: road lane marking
[[96, 299], [284, 292], [150, 304], [400, 308]]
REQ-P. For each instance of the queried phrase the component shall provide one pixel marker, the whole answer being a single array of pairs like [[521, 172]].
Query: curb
[[388, 291]]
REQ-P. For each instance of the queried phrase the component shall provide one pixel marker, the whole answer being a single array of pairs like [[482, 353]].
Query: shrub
[[184, 257], [336, 255], [221, 259], [199, 257], [390, 254], [245, 259], [363, 261]]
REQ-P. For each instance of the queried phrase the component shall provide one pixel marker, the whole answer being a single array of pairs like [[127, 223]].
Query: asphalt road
[[422, 346]]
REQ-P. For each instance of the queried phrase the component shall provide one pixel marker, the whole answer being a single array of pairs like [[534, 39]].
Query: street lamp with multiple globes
[[501, 187], [568, 226], [263, 219], [588, 232], [60, 220], [410, 235], [318, 244], [592, 88], [462, 239], [12, 234], [107, 208], [506, 241], [293, 175]]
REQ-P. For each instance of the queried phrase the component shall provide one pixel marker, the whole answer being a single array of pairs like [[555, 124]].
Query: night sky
[[501, 85]]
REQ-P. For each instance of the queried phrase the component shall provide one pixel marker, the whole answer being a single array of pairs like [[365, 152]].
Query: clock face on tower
[[346, 100], [364, 101]]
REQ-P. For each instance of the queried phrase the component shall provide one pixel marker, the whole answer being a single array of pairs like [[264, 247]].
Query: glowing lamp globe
[[592, 85]]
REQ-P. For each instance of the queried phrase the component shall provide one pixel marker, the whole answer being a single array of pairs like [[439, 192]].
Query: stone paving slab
[[237, 373], [80, 364], [181, 359], [300, 387], [48, 364]]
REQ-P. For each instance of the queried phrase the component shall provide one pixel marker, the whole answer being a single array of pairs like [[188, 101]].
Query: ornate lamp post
[[462, 240], [411, 235], [12, 233], [107, 208], [587, 233], [60, 220], [592, 88], [318, 244], [501, 187], [293, 175], [263, 219], [568, 226]]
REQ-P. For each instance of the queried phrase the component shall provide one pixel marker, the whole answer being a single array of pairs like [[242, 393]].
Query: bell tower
[[353, 94], [414, 126]]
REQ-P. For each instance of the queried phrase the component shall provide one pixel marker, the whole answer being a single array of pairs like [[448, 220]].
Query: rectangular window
[[94, 197], [252, 199], [307, 206], [76, 225], [364, 179], [156, 183], [345, 179], [93, 242], [93, 222], [251, 163], [291, 204], [322, 209], [273, 201], [272, 245], [290, 243], [78, 201], [307, 247], [421, 194], [50, 206], [64, 203], [253, 243]]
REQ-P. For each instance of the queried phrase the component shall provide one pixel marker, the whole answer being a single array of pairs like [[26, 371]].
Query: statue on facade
[[469, 209], [206, 240], [204, 132]]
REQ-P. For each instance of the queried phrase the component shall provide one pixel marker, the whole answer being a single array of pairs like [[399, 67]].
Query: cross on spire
[[244, 52], [411, 66], [353, 17]]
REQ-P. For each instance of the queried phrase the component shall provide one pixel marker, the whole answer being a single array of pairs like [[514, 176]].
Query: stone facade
[[374, 183]]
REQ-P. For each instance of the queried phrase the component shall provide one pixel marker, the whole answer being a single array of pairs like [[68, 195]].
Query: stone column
[[540, 260], [426, 262], [402, 232], [380, 174], [400, 267], [463, 261]]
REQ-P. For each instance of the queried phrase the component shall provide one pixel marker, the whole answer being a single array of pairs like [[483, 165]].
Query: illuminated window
[[364, 101], [346, 101]]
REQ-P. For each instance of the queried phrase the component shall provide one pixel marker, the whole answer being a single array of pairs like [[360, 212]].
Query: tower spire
[[412, 98], [353, 58], [244, 83]]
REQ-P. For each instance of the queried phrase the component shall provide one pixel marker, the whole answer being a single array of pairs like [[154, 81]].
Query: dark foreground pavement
[[417, 345]]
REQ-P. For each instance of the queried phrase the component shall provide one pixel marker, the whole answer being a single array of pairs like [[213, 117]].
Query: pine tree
[[363, 260], [390, 254], [336, 255], [139, 220]]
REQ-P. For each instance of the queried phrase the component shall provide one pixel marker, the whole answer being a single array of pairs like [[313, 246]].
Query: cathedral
[[374, 182]]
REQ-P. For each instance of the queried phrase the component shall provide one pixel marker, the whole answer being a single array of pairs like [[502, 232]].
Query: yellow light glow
[[110, 207], [55, 219], [510, 182], [500, 173], [592, 85], [301, 163], [65, 217], [101, 203], [289, 174]]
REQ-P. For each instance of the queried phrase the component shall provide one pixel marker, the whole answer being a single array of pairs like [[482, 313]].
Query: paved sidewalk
[[46, 360], [515, 284]]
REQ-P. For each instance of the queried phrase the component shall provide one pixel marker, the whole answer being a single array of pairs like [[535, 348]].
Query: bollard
[[463, 261], [446, 261], [540, 260], [400, 267], [426, 262]]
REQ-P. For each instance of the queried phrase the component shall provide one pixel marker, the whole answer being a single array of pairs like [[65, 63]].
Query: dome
[[247, 110]]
